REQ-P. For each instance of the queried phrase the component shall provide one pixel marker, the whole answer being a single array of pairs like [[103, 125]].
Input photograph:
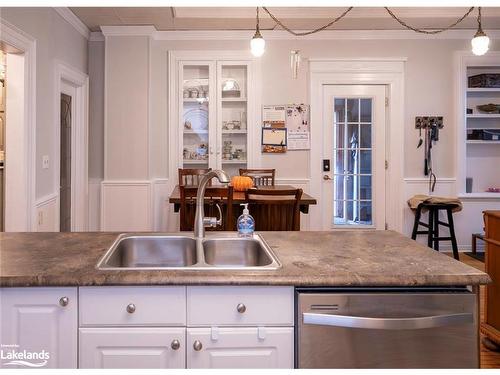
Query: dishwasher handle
[[387, 323]]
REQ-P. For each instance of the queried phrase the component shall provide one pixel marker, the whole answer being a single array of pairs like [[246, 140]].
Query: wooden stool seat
[[433, 224]]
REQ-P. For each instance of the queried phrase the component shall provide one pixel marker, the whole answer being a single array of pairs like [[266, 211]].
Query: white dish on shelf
[[198, 117]]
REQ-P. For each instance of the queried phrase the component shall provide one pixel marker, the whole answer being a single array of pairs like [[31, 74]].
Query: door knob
[[131, 308], [64, 301], [175, 344], [197, 345], [326, 177]]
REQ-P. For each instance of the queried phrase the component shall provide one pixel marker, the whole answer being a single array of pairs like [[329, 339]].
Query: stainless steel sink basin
[[150, 252], [236, 252], [177, 252]]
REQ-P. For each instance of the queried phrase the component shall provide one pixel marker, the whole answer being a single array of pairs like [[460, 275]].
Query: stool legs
[[452, 234], [436, 230], [431, 228], [418, 214]]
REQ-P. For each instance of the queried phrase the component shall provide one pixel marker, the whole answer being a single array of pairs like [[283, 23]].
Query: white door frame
[[22, 197], [66, 75], [389, 72]]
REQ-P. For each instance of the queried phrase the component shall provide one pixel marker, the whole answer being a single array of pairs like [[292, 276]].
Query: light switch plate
[[45, 162]]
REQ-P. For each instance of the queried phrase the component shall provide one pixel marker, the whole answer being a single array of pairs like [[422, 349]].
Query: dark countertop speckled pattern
[[354, 258]]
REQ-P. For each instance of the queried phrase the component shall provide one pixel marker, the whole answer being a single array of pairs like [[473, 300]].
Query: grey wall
[[56, 40]]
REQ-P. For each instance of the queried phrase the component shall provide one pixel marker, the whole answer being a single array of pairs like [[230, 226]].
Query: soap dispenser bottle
[[245, 223]]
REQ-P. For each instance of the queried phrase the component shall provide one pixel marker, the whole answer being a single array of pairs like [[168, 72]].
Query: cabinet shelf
[[234, 161], [233, 99], [189, 161], [195, 100], [483, 89], [484, 115], [234, 132], [481, 142], [195, 132]]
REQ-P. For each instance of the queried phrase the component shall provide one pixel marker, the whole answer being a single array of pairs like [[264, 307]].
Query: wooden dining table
[[239, 197]]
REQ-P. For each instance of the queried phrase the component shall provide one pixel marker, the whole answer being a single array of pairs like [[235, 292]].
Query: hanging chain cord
[[305, 32], [479, 25], [404, 24], [257, 26]]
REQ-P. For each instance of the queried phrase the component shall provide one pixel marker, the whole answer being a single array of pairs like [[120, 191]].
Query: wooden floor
[[489, 359]]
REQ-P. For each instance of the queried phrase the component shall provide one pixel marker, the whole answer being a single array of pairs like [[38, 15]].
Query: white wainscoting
[[161, 208], [95, 204], [46, 213], [467, 221], [126, 206]]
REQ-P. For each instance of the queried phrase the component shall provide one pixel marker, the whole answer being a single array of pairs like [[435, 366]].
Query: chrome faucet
[[200, 220]]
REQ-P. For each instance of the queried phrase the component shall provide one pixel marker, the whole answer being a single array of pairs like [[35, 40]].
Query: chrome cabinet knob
[[130, 308], [241, 308], [197, 345], [175, 344], [64, 301]]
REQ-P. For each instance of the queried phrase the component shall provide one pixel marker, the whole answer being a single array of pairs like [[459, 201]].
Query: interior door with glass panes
[[232, 127], [197, 114], [354, 142]]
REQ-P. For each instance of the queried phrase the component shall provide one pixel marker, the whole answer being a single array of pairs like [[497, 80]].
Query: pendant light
[[257, 44], [480, 43]]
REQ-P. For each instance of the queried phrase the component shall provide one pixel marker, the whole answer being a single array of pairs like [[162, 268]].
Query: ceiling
[[297, 18]]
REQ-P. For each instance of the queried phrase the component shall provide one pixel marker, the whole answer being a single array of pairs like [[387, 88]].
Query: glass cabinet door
[[197, 102], [232, 116]]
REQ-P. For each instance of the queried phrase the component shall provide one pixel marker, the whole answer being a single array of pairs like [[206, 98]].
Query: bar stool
[[433, 224]]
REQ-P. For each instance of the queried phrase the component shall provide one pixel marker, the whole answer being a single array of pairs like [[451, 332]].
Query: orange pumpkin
[[241, 183]]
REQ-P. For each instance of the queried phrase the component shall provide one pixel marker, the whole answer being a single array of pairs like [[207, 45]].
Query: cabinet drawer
[[239, 305], [140, 306]]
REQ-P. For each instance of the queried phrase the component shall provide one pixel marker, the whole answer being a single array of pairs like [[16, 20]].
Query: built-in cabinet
[[214, 110], [153, 326], [39, 320], [479, 127]]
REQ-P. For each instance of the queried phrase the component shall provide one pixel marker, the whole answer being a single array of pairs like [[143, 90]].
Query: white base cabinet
[[36, 320], [240, 347], [132, 348]]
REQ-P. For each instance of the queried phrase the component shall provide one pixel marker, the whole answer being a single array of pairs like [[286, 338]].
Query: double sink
[[221, 251]]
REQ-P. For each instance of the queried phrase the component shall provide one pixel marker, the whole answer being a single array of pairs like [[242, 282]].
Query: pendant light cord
[[422, 31], [305, 32], [401, 22], [479, 25]]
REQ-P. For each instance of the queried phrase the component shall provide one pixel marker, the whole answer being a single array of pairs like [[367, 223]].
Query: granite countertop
[[337, 259]]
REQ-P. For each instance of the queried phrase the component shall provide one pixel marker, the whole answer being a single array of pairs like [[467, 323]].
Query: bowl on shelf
[[489, 108]]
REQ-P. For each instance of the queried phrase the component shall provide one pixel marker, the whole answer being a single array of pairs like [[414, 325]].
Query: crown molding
[[73, 20], [96, 36], [151, 32]]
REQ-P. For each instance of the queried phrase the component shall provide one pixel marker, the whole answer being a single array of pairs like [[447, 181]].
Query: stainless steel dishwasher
[[388, 328]]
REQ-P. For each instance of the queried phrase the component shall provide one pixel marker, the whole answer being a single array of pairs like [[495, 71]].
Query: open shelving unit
[[478, 159]]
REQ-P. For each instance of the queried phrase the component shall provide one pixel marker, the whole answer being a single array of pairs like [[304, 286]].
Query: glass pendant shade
[[480, 43], [257, 44]]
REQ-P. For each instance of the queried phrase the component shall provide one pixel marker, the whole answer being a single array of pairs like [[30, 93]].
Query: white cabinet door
[[132, 348], [264, 347], [41, 324]]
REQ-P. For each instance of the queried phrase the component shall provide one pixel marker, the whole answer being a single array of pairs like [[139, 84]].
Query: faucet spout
[[199, 226]]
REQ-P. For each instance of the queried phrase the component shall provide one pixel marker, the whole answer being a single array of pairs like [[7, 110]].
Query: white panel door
[[132, 348], [265, 347], [36, 320], [353, 190]]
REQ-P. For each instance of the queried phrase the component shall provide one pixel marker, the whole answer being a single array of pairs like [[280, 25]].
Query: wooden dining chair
[[261, 177], [213, 195], [275, 210], [192, 177]]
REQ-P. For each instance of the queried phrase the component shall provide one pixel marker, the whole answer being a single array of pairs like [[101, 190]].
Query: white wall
[[428, 88], [56, 39]]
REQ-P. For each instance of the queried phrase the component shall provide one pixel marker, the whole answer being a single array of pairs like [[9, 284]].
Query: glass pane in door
[[233, 128], [352, 155], [195, 124]]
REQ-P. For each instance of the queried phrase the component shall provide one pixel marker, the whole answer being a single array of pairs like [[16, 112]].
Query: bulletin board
[[293, 120]]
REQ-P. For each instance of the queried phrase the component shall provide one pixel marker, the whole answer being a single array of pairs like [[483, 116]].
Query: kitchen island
[[55, 299]]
